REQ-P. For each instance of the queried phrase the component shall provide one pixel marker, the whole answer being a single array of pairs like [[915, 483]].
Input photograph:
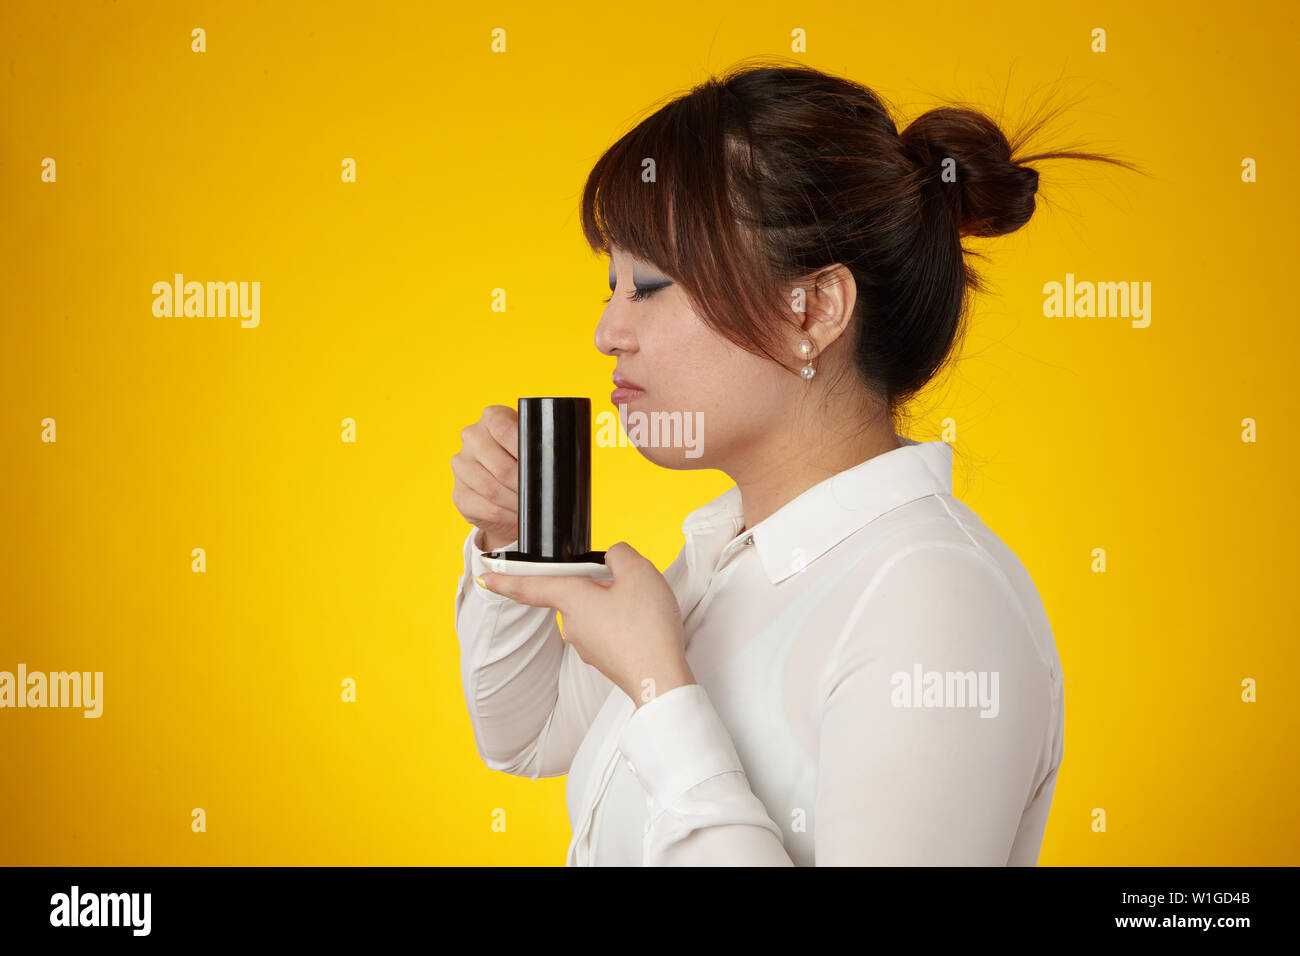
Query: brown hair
[[767, 174]]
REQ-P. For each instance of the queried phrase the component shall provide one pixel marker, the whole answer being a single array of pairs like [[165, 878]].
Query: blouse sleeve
[[930, 772], [531, 699]]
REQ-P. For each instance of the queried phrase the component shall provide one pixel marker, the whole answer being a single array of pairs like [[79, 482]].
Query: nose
[[614, 331]]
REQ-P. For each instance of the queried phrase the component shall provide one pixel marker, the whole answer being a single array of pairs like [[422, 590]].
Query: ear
[[831, 296]]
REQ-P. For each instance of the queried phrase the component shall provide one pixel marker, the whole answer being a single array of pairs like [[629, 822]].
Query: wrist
[[490, 542], [673, 674]]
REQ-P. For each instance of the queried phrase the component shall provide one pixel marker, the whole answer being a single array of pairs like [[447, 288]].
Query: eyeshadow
[[652, 284]]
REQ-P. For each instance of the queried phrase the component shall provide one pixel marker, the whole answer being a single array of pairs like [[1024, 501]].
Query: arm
[[702, 811], [896, 785], [530, 698]]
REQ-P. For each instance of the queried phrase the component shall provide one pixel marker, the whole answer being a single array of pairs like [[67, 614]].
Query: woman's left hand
[[629, 629]]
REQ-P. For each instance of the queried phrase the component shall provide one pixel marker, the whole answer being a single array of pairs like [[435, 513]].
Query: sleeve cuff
[[474, 564], [675, 742]]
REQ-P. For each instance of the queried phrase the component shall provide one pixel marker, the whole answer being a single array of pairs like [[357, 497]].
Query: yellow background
[[328, 560]]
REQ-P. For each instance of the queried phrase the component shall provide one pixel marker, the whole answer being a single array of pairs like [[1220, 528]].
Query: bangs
[[660, 192]]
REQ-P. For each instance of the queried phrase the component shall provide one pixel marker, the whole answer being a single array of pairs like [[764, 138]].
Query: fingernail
[[479, 581]]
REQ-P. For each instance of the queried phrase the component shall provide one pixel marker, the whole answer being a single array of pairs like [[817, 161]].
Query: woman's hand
[[629, 629], [485, 489]]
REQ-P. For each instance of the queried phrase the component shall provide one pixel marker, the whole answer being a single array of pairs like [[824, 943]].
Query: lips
[[625, 391]]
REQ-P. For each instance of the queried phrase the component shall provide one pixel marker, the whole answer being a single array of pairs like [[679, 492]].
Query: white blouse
[[877, 684]]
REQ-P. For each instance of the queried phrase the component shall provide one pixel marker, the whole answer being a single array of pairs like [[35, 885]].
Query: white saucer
[[585, 569]]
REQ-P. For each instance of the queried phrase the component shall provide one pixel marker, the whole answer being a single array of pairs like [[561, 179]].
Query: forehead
[[621, 253]]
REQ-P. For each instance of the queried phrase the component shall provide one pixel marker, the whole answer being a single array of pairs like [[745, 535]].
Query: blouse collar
[[804, 529]]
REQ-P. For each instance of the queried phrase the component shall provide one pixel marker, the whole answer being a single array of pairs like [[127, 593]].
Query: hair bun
[[992, 194]]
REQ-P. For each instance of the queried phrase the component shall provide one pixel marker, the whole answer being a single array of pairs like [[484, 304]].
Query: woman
[[844, 665]]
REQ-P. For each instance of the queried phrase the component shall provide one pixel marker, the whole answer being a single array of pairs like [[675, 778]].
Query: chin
[[678, 459], [671, 439]]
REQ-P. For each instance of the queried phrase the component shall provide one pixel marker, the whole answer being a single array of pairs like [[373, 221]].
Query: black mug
[[554, 483]]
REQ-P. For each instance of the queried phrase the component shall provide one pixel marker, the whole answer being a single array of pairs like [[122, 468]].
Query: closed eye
[[636, 295]]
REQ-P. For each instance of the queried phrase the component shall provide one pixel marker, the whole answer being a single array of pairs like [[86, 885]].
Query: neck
[[773, 476]]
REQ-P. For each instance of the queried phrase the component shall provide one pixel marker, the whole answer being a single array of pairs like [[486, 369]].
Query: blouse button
[[749, 539]]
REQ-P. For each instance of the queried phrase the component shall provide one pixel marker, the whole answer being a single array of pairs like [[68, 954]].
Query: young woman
[[844, 665]]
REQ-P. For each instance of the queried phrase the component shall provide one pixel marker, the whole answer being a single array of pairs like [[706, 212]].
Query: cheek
[[733, 396], [689, 365], [696, 370]]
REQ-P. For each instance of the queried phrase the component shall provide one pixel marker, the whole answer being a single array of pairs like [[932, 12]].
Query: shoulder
[[931, 574]]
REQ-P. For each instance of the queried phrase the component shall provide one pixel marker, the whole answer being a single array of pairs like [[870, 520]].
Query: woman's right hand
[[486, 470]]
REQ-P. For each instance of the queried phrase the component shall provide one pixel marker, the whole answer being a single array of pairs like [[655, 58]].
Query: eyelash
[[636, 295]]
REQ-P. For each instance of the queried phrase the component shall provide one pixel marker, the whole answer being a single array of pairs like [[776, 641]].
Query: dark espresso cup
[[554, 491]]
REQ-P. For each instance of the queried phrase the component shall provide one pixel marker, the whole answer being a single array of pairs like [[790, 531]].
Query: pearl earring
[[805, 349]]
